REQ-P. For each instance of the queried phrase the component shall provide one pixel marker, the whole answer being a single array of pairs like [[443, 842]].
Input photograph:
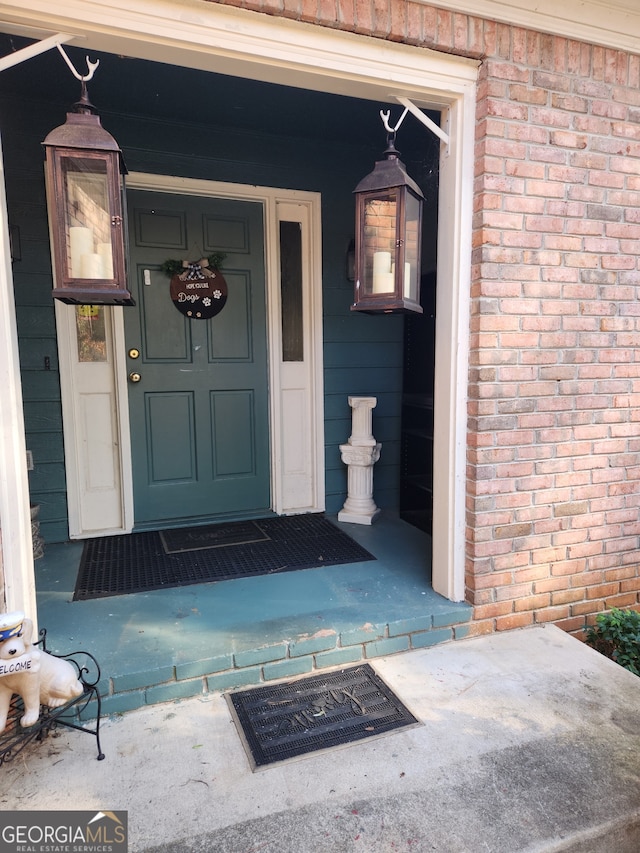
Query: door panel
[[199, 414], [170, 416], [174, 344], [160, 229], [97, 422], [232, 340], [232, 420]]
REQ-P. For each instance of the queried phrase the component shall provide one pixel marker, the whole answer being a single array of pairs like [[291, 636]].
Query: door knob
[[134, 377], [133, 353]]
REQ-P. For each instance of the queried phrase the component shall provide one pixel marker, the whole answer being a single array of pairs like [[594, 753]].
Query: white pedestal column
[[360, 455]]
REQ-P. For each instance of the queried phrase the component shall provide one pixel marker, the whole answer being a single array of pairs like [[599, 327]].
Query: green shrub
[[616, 634]]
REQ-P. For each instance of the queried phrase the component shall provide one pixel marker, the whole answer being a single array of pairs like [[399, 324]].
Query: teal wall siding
[[363, 354], [22, 130]]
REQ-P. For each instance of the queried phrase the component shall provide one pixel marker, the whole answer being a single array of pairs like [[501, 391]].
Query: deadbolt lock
[[134, 353], [134, 377]]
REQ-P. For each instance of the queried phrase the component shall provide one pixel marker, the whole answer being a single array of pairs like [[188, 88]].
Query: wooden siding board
[[53, 506], [35, 261], [54, 531], [363, 355], [36, 321], [363, 383], [43, 416], [45, 447], [46, 477], [40, 385], [348, 327], [34, 351]]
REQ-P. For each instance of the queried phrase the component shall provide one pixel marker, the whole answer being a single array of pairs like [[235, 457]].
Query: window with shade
[[291, 291]]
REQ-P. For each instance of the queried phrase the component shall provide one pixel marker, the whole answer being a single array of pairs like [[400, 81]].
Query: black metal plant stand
[[15, 738]]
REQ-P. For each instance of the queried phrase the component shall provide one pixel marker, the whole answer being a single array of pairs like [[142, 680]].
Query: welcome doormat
[[139, 562], [283, 721], [211, 536]]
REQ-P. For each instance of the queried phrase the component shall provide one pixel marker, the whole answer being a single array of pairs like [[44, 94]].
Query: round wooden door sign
[[199, 292]]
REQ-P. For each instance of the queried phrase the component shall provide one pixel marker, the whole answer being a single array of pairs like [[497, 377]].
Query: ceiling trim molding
[[237, 42], [610, 23]]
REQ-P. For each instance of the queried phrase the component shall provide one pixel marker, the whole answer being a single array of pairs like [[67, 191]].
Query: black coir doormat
[[282, 721], [116, 565]]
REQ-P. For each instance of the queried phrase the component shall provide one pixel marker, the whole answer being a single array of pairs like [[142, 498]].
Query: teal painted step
[[258, 666], [171, 643]]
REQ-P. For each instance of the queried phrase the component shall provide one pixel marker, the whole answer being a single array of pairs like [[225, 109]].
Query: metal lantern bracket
[[422, 117], [90, 65], [20, 56], [384, 115]]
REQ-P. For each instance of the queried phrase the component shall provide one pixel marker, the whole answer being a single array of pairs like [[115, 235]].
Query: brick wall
[[553, 484], [553, 489]]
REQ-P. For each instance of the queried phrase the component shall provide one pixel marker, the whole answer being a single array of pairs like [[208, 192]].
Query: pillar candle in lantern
[[382, 274], [106, 253], [91, 266], [80, 243]]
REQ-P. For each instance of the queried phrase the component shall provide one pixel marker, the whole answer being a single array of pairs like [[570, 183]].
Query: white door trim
[[281, 500], [16, 556], [298, 412], [233, 41]]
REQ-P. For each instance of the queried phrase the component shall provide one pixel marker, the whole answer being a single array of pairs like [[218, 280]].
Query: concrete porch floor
[[529, 741], [181, 642]]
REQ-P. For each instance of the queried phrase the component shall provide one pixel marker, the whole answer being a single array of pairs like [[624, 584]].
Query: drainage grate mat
[[117, 565], [283, 721]]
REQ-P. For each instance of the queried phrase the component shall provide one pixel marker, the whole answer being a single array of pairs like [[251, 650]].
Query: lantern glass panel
[[379, 243], [413, 210], [89, 249]]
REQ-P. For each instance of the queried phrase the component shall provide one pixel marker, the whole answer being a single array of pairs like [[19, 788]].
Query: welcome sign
[[29, 662], [199, 292]]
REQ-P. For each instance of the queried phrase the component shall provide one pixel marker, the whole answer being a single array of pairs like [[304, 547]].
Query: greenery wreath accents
[[172, 267]]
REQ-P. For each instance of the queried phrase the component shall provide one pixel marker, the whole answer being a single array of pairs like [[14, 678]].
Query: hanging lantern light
[[85, 172], [388, 238]]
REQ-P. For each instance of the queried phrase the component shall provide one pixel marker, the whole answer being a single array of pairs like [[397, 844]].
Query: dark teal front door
[[199, 410]]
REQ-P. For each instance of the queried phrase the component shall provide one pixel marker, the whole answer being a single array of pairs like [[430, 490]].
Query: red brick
[[490, 611], [445, 28], [477, 629], [381, 25], [490, 580], [533, 602], [573, 625], [534, 573], [398, 22], [567, 567], [519, 620], [584, 607], [626, 600], [513, 591], [567, 596], [552, 614], [363, 16], [414, 23]]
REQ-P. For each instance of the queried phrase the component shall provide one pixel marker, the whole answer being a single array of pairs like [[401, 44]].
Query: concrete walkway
[[529, 741]]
